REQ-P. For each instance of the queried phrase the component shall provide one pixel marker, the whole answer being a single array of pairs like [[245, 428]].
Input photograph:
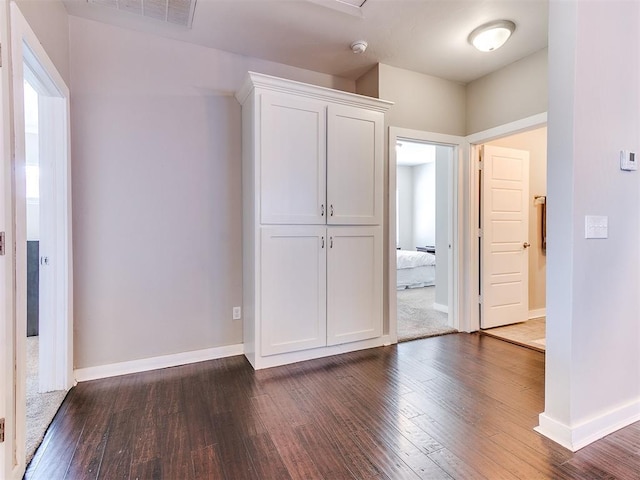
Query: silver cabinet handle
[[322, 210], [331, 210], [330, 242], [322, 242]]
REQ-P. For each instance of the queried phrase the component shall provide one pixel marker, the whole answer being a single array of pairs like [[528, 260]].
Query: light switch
[[596, 226]]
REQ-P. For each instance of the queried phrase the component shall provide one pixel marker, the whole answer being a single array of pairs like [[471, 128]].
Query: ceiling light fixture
[[492, 35], [359, 46]]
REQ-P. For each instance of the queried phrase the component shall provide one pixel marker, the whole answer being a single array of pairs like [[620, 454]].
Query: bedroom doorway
[[424, 207]]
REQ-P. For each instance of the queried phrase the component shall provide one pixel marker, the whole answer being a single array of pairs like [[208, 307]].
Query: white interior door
[[504, 233], [7, 384]]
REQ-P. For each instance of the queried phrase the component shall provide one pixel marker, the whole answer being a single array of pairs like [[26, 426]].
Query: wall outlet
[[237, 313]]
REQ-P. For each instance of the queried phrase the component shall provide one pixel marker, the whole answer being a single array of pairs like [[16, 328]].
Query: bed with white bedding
[[415, 269]]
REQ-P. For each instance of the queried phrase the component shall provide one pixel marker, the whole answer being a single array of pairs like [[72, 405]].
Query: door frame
[[24, 46], [475, 141], [8, 464], [456, 192]]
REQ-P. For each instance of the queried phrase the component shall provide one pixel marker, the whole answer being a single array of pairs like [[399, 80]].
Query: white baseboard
[[575, 438], [441, 308], [153, 363], [537, 313]]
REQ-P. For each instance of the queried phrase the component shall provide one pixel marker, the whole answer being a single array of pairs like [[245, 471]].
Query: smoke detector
[[359, 46]]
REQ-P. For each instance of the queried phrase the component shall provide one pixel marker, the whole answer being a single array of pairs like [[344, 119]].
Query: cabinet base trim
[[259, 362], [154, 363]]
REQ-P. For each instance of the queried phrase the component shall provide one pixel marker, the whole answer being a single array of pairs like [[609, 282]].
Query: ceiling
[[426, 36]]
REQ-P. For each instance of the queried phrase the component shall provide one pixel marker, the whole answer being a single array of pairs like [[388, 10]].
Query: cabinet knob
[[526, 244]]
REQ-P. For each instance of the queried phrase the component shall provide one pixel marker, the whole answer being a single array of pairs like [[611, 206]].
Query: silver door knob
[[526, 244]]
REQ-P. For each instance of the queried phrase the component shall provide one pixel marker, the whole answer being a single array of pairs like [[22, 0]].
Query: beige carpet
[[41, 407], [416, 316]]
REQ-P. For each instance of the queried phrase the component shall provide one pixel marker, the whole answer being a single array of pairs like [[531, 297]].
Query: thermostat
[[628, 160]]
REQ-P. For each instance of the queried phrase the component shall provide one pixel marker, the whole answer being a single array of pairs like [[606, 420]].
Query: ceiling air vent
[[177, 12]]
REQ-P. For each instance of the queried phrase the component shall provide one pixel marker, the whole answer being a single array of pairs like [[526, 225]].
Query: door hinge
[[1, 430], [2, 248], [479, 164], [479, 233], [480, 299]]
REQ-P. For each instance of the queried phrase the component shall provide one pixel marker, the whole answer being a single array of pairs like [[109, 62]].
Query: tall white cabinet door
[[354, 284], [292, 160], [355, 161], [293, 288]]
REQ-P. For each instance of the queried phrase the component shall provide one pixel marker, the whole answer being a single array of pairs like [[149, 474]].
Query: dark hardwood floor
[[459, 406]]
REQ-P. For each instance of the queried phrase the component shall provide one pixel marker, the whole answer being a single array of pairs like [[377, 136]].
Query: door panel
[[293, 288], [354, 284], [293, 159], [354, 166], [504, 221]]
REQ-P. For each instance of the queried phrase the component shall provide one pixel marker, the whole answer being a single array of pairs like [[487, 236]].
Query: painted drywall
[[592, 385], [535, 142], [422, 102], [404, 185], [368, 84], [49, 21], [444, 160], [156, 161], [512, 93], [424, 204]]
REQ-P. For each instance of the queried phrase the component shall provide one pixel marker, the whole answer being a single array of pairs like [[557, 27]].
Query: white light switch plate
[[596, 226]]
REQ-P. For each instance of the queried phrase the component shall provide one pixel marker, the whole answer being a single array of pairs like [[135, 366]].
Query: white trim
[[473, 267], [56, 343], [441, 308], [456, 222], [537, 313], [581, 435], [154, 363]]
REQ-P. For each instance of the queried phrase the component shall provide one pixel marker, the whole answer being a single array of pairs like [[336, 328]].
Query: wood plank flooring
[[459, 406]]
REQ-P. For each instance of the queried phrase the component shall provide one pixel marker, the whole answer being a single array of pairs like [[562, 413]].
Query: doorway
[[29, 63], [423, 247], [513, 270]]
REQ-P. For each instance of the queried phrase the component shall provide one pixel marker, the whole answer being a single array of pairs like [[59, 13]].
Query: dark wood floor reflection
[[459, 406]]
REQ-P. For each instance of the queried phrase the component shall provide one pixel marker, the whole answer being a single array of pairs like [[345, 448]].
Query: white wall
[[424, 205], [422, 102], [512, 93], [404, 182], [593, 332], [535, 142], [49, 21], [156, 154]]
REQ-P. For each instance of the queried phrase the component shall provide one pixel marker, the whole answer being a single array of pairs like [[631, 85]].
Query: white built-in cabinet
[[313, 161]]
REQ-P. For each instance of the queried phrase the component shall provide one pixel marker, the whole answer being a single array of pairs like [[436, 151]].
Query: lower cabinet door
[[354, 284], [293, 288]]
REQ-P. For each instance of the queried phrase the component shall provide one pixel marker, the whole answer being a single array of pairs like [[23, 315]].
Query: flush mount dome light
[[491, 36]]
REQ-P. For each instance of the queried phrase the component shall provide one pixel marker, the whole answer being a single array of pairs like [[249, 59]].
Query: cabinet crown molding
[[275, 84]]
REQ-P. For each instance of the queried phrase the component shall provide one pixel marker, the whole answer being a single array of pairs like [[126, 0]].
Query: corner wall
[[592, 386]]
